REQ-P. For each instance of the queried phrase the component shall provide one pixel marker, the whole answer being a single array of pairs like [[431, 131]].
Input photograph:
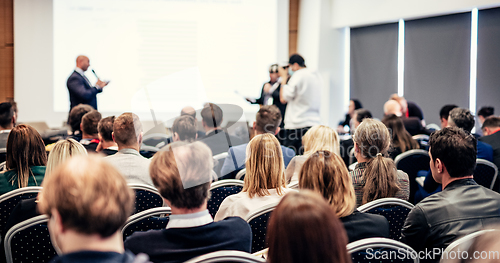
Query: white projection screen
[[159, 55]]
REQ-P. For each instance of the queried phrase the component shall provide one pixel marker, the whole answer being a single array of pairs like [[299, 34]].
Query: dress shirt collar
[[5, 131], [190, 220], [80, 71]]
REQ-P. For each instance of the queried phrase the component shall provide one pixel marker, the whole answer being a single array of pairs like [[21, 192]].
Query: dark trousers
[[293, 139]]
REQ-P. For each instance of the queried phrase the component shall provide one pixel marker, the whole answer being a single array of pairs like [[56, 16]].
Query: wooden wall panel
[[6, 49], [293, 26]]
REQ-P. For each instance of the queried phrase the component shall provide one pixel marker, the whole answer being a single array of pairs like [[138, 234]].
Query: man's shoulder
[[491, 139]]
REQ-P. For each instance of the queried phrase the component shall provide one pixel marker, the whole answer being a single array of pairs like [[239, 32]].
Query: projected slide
[[163, 54]]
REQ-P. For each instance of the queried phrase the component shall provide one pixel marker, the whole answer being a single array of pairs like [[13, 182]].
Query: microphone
[[95, 74]]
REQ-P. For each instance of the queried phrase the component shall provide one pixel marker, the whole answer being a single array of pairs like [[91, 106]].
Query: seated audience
[[354, 104], [267, 120], [401, 139], [75, 119], [444, 113], [412, 124], [375, 176], [7, 122], [87, 201], [491, 136], [462, 207], [409, 109], [127, 133], [90, 137], [215, 137], [26, 159], [303, 228], [317, 138], [184, 129], [484, 113], [264, 180], [190, 111], [181, 173], [324, 172], [105, 129], [347, 145]]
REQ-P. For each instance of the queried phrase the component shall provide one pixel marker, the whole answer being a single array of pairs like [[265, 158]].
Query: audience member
[[462, 207], [181, 173], [304, 229], [215, 138], [267, 120], [484, 113], [264, 180], [354, 104], [90, 135], [26, 159], [491, 128], [324, 172], [127, 133], [190, 111], [317, 138], [302, 94], [7, 122], [107, 145], [444, 113], [412, 124], [75, 119], [401, 139], [184, 129], [348, 144], [409, 109], [87, 201], [376, 176]]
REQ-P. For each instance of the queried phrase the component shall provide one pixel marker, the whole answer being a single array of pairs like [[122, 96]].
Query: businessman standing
[[81, 91]]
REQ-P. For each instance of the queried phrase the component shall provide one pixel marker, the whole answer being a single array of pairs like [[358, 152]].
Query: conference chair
[[3, 154], [148, 151], [462, 244], [486, 173], [146, 197], [227, 256], [433, 127], [219, 162], [151, 219], [423, 140], [294, 185], [8, 202], [411, 162], [157, 140], [395, 210], [29, 241], [352, 158], [381, 250], [258, 220], [219, 191], [241, 174]]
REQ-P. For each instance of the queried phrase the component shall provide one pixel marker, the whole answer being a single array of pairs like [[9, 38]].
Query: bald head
[[82, 62], [392, 107], [189, 111]]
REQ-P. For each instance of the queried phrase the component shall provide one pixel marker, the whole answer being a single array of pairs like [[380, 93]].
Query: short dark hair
[[6, 114], [362, 114], [486, 111], [296, 58], [456, 148], [185, 126], [105, 128], [268, 119], [76, 114], [462, 118], [491, 122], [126, 129], [90, 121], [357, 104], [445, 111], [212, 115]]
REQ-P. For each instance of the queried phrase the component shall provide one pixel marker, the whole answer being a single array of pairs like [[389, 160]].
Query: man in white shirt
[[302, 94]]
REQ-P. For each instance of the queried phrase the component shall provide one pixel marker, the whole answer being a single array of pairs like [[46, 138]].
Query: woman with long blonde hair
[[319, 137], [63, 150], [264, 181], [375, 176], [325, 173]]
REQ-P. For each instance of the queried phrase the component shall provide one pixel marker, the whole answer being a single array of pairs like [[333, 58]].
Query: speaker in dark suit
[[81, 91]]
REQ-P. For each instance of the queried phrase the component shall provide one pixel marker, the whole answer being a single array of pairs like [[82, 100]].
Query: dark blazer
[[219, 141], [276, 101], [364, 225], [80, 91], [494, 141], [414, 126]]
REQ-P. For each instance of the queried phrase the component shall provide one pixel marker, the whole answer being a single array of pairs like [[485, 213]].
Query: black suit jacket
[[276, 101], [494, 141], [80, 91], [219, 141], [414, 126]]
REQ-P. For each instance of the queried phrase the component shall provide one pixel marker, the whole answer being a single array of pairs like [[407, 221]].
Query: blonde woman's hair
[[373, 140], [264, 165], [62, 151], [325, 172], [321, 137]]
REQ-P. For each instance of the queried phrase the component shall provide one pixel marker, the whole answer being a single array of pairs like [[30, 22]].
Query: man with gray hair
[[127, 133]]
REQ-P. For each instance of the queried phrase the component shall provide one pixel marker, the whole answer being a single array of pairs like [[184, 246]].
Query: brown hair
[[491, 122], [182, 173], [25, 148], [325, 172], [185, 126], [265, 167], [105, 128], [90, 194], [373, 140], [268, 119], [303, 228], [400, 136], [76, 114], [90, 121], [127, 129], [212, 115]]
